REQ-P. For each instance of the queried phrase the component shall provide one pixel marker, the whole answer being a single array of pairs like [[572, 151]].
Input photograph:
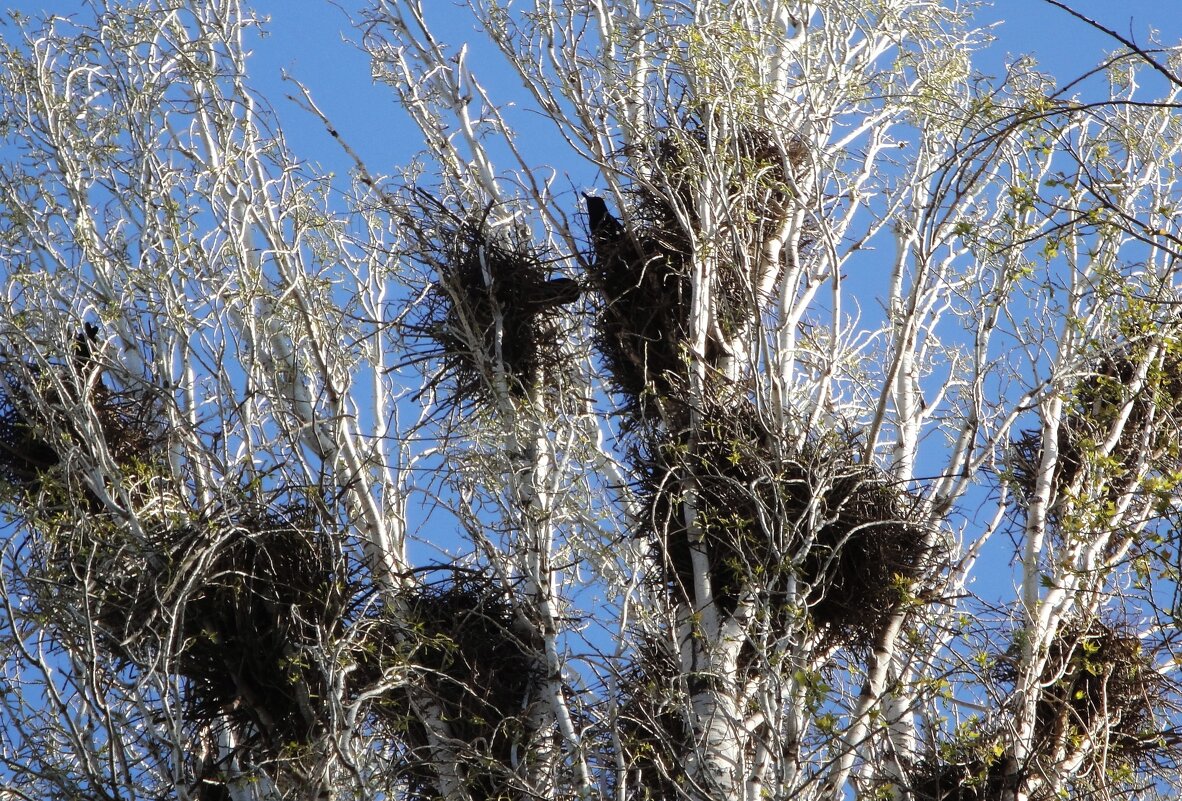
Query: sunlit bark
[[458, 483]]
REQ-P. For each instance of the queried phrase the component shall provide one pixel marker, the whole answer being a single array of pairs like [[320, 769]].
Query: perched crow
[[604, 226], [557, 292], [84, 346]]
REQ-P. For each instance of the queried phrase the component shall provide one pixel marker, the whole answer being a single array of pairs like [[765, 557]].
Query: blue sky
[[307, 40]]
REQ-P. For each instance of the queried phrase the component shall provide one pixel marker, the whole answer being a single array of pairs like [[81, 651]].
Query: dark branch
[[1129, 43]]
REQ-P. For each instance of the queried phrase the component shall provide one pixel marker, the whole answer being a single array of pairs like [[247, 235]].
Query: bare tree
[[828, 450]]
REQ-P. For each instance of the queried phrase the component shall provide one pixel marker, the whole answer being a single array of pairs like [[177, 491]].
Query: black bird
[[557, 292], [84, 346], [603, 224], [548, 295]]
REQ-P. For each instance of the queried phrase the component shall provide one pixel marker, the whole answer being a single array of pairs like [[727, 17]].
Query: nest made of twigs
[[1098, 684], [760, 170], [239, 603], [25, 451], [271, 597], [470, 667], [1153, 425], [1098, 687], [653, 723], [492, 314], [969, 772], [43, 411], [852, 540], [642, 275], [730, 473], [642, 269]]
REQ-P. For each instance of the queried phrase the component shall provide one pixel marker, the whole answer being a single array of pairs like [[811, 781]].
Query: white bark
[[936, 268]]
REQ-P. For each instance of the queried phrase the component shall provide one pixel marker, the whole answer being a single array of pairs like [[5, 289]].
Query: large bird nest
[[653, 728], [1151, 429], [1099, 686], [852, 540], [468, 665], [653, 724], [25, 451], [968, 771], [761, 175], [493, 312], [45, 412], [642, 331], [272, 596], [643, 268], [240, 603]]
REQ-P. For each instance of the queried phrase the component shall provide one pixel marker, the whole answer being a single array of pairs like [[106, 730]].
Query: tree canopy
[[828, 447]]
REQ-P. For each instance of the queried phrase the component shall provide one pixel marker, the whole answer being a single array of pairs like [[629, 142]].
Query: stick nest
[[1099, 690], [642, 329], [470, 669], [41, 412], [653, 724], [643, 269], [492, 313], [1099, 685], [970, 772], [1151, 429], [240, 603], [853, 540]]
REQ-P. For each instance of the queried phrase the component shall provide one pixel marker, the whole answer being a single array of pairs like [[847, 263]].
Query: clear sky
[[307, 41]]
